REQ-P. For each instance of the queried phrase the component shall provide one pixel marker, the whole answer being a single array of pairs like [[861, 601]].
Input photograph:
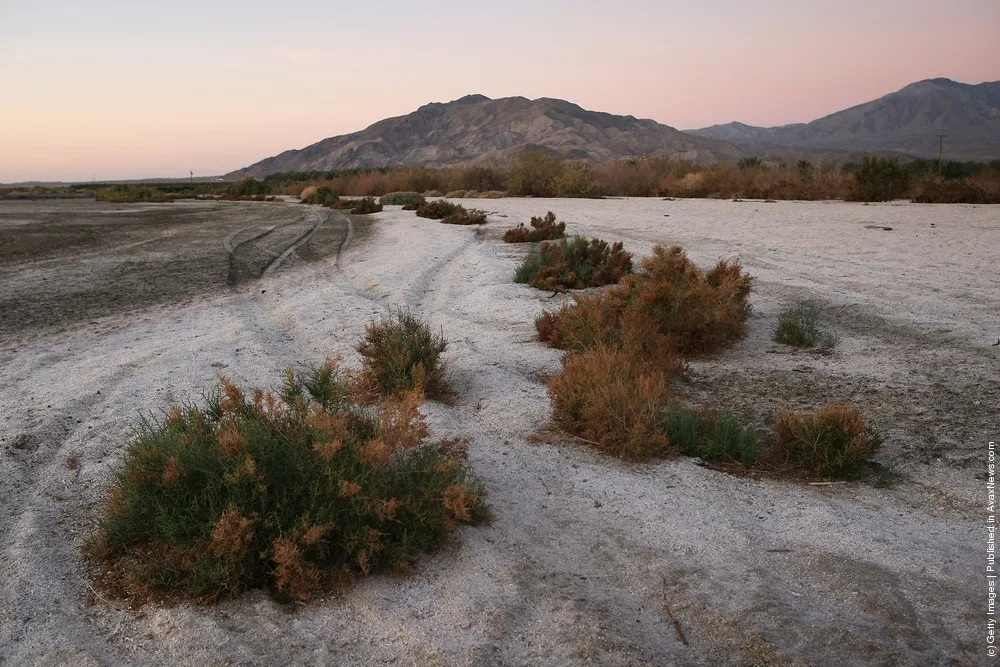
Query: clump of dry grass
[[296, 491], [542, 229], [831, 442], [365, 206]]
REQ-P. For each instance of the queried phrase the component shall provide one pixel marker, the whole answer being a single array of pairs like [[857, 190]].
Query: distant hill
[[905, 122], [478, 129]]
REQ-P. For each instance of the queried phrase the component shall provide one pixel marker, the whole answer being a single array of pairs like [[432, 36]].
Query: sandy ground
[[107, 312]]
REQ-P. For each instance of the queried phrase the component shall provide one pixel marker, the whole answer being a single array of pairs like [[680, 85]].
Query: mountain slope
[[478, 129], [906, 121]]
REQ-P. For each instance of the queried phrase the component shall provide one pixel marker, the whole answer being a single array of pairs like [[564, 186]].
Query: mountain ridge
[[906, 121]]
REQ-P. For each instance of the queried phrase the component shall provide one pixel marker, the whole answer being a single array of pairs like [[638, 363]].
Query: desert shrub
[[365, 206], [456, 194], [750, 162], [323, 196], [934, 191], [433, 193], [535, 174], [574, 264], [248, 187], [438, 209], [493, 194], [879, 179], [831, 442], [613, 401], [400, 353], [542, 229], [125, 194], [714, 436], [799, 326], [672, 304], [461, 216], [399, 198], [296, 491], [479, 177], [414, 204]]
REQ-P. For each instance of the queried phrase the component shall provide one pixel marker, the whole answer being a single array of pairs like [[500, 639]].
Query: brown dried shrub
[[542, 229], [830, 442]]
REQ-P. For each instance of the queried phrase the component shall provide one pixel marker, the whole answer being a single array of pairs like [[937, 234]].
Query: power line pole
[[940, 152]]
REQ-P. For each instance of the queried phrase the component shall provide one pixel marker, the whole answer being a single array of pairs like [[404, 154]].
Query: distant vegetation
[[542, 173], [132, 193]]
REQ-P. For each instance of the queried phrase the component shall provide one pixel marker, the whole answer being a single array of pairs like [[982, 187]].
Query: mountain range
[[477, 129], [905, 122]]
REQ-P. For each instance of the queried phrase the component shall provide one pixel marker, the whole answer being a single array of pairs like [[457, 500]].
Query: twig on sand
[[670, 615], [570, 436], [825, 483]]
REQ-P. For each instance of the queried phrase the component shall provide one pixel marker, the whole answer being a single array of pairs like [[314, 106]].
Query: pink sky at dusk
[[113, 90]]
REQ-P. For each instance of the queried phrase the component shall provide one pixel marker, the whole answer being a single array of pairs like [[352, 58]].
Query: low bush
[[613, 401], [542, 229], [492, 194], [450, 213], [438, 209], [400, 353], [799, 326], [399, 198], [323, 196], [297, 491], [713, 436], [473, 216], [672, 305], [455, 194], [126, 194], [415, 204], [433, 193], [831, 442], [574, 264], [365, 206]]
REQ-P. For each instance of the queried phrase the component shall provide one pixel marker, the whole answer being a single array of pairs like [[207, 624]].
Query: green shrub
[[126, 194], [248, 187], [365, 206], [399, 198], [750, 162], [799, 326], [574, 264], [296, 491], [832, 442], [712, 436], [879, 179], [323, 196], [455, 194], [399, 353], [542, 229]]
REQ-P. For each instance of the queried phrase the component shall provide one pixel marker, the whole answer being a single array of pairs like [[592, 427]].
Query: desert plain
[[111, 311]]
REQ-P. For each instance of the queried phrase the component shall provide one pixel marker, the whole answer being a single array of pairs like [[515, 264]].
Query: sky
[[107, 89]]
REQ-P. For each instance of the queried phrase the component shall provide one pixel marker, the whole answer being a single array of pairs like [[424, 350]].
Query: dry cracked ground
[[108, 312]]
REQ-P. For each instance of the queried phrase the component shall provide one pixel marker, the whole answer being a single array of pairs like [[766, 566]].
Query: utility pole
[[192, 176], [940, 152]]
